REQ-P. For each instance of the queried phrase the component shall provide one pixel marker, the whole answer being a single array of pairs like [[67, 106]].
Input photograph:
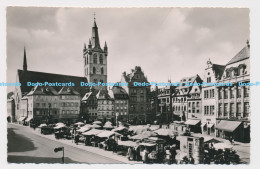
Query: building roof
[[40, 90], [41, 77], [218, 69], [241, 55], [68, 90], [103, 94], [117, 92]]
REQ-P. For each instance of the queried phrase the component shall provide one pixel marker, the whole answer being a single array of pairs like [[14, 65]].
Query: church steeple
[[24, 60], [95, 37]]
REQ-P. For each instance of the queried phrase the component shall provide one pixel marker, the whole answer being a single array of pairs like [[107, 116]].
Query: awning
[[29, 119], [229, 126], [147, 144], [192, 122], [92, 132], [210, 125], [107, 134], [119, 128], [127, 143], [203, 124], [21, 118]]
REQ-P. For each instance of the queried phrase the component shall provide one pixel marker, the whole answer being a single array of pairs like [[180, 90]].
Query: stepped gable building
[[139, 96], [121, 98], [165, 103], [181, 96], [105, 109], [233, 102], [95, 59], [89, 106], [212, 74]]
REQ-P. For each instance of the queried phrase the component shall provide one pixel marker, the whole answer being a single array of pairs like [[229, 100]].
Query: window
[[232, 109], [95, 58], [43, 104], [102, 70], [206, 94], [239, 110], [37, 104], [220, 106], [239, 93], [198, 104], [63, 111], [100, 59], [212, 110], [246, 91], [94, 70], [208, 79], [232, 93], [225, 109], [189, 104], [246, 109], [225, 93]]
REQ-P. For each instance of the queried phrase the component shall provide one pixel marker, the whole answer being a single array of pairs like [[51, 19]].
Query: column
[[229, 96], [242, 100], [235, 100]]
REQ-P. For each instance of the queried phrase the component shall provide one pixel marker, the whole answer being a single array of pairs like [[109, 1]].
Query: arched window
[[87, 59], [100, 59], [95, 58], [94, 70], [102, 71], [87, 71]]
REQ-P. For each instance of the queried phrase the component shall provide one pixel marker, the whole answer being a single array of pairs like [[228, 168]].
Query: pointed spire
[[105, 47], [248, 44], [89, 44], [85, 46], [95, 37], [24, 60]]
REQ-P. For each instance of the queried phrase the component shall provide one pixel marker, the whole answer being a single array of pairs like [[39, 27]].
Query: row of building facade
[[221, 111]]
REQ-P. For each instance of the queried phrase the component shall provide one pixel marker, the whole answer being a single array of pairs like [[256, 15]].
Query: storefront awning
[[29, 118], [21, 118], [192, 122], [203, 124], [229, 126], [210, 125]]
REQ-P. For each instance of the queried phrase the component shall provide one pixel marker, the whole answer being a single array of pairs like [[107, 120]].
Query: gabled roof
[[68, 90], [41, 77], [39, 90], [218, 69], [242, 55], [87, 96], [103, 94], [118, 92]]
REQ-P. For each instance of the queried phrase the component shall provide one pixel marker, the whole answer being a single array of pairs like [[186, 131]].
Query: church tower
[[95, 59]]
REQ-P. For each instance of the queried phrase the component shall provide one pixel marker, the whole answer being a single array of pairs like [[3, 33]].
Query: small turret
[[105, 48], [24, 61], [89, 44], [85, 48]]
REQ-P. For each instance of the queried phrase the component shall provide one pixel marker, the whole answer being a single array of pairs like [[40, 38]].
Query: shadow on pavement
[[18, 143], [31, 159]]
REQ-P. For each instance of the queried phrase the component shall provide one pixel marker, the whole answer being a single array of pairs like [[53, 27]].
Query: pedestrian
[[130, 153], [145, 155], [138, 155], [134, 154]]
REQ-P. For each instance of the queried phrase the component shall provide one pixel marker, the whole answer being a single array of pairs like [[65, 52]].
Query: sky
[[168, 43]]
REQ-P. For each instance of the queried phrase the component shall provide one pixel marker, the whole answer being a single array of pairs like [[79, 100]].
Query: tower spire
[[95, 37], [24, 60]]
